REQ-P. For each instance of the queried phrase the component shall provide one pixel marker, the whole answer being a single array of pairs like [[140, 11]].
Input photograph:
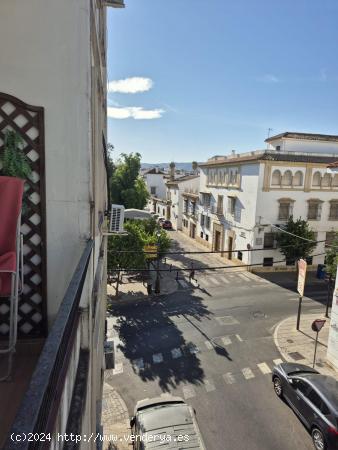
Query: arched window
[[316, 179], [287, 178], [335, 180], [326, 180], [298, 178], [276, 178]]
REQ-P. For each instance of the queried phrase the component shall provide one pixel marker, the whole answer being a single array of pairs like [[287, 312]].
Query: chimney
[[172, 170]]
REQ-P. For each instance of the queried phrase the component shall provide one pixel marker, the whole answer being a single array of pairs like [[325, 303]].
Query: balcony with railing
[[217, 210], [47, 393]]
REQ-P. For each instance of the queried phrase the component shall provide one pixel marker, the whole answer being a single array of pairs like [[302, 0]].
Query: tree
[[127, 187], [139, 234], [331, 260], [292, 247]]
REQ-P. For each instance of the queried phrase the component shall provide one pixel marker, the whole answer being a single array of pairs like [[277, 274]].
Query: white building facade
[[182, 195], [244, 198]]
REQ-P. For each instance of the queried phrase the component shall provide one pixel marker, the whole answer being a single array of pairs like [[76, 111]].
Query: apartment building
[[244, 198], [53, 94], [182, 195]]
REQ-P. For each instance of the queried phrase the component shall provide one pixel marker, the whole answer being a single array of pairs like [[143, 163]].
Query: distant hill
[[182, 166]]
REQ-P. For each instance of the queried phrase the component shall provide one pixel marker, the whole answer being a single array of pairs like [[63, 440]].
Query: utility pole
[[157, 282], [328, 298]]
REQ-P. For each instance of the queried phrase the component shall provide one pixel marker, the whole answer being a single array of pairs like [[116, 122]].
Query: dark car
[[313, 397], [166, 224]]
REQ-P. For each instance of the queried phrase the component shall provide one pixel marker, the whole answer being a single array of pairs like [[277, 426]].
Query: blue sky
[[214, 75]]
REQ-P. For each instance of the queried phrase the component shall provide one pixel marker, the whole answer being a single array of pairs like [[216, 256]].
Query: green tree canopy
[[332, 257], [140, 233], [127, 187], [292, 247]]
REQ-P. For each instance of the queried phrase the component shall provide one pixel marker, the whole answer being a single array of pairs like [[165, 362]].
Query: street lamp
[[157, 282]]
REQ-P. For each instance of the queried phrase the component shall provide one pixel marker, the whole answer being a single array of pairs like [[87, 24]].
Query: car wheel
[[277, 385], [318, 439]]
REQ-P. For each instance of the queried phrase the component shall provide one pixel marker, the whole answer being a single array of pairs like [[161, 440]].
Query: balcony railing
[[40, 407], [218, 210]]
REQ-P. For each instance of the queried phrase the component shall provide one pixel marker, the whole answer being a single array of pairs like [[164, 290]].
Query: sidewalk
[[298, 346], [132, 290], [115, 419]]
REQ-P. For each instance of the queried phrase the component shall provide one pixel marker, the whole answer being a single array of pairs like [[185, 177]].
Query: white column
[[332, 350]]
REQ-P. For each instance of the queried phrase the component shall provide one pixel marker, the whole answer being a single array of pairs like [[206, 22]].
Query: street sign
[[301, 276], [317, 325], [150, 251]]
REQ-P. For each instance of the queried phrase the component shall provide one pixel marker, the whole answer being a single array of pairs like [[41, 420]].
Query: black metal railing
[[40, 405]]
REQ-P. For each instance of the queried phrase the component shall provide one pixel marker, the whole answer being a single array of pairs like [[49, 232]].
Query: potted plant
[[13, 161]]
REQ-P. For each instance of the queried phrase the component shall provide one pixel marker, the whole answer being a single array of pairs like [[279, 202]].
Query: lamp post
[[157, 282]]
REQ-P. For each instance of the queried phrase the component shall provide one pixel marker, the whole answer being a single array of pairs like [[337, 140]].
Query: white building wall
[[45, 54], [158, 182], [268, 208], [332, 350], [307, 146]]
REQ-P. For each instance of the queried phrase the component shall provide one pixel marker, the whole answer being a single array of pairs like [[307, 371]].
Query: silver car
[[165, 422]]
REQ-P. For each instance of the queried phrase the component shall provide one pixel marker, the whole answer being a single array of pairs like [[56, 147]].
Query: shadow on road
[[149, 331], [314, 288]]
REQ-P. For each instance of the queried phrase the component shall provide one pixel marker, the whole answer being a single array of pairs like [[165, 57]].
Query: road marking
[[227, 320], [188, 392], [229, 378], [176, 353], [138, 363], [225, 280], [248, 373], [231, 276], [264, 368], [118, 369], [183, 283], [209, 345], [214, 281], [239, 338], [243, 277], [209, 385], [157, 358], [251, 276], [226, 340], [277, 361]]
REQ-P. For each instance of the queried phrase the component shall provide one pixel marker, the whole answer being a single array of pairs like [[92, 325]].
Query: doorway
[[217, 241], [230, 244]]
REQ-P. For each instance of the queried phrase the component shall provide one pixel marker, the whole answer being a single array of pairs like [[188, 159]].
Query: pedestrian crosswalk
[[214, 279]]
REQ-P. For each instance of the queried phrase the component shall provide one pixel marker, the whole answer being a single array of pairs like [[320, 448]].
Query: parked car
[[165, 422], [167, 225], [160, 220], [313, 397]]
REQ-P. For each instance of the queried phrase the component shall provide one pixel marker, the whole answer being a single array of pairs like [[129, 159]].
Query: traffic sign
[[317, 325], [301, 276], [150, 251]]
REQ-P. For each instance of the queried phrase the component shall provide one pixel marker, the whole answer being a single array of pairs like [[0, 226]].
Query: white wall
[[307, 146], [158, 181], [332, 350], [45, 54]]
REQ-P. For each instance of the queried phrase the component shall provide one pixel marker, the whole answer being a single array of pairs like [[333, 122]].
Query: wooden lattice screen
[[28, 122]]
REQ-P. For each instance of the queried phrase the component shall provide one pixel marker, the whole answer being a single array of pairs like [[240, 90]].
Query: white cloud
[[269, 78], [130, 85], [134, 112]]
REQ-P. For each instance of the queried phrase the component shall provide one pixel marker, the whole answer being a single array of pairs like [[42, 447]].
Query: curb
[[275, 338]]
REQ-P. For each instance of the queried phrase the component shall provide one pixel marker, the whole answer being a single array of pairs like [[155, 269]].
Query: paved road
[[213, 346]]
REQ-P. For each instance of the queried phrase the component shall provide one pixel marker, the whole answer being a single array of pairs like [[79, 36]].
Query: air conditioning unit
[[116, 219]]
